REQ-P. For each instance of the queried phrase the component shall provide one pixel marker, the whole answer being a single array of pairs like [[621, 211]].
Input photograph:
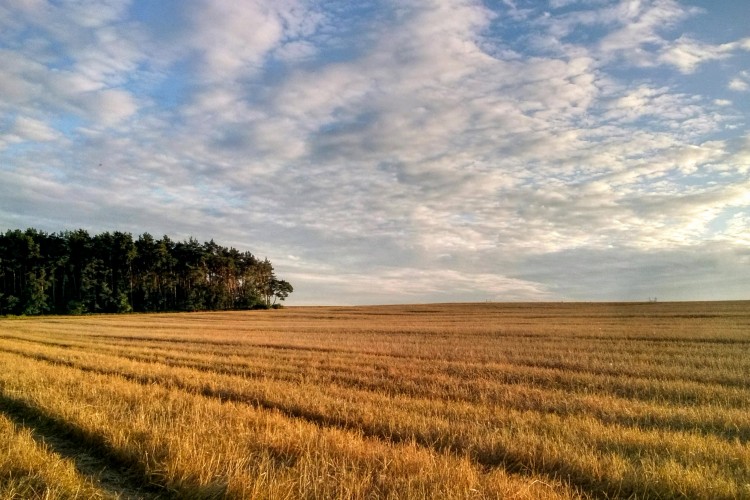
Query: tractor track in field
[[116, 475], [500, 458]]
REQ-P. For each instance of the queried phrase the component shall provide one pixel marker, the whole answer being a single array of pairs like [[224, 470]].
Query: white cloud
[[741, 82], [83, 55], [638, 34], [234, 38], [109, 106], [18, 80], [557, 4], [640, 23], [30, 129], [686, 54], [659, 103], [404, 285], [94, 13], [737, 230]]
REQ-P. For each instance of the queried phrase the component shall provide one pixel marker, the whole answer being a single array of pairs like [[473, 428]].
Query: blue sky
[[395, 151]]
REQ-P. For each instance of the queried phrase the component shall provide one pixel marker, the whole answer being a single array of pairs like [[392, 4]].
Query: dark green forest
[[73, 272]]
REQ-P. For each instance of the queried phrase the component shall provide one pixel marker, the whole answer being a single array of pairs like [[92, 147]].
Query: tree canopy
[[73, 272]]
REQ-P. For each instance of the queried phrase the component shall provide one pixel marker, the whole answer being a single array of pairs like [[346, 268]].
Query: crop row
[[550, 432], [190, 446]]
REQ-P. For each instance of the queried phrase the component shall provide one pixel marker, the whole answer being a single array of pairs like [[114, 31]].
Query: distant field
[[434, 401]]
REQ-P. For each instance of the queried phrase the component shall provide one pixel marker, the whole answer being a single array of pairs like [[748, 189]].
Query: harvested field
[[429, 401]]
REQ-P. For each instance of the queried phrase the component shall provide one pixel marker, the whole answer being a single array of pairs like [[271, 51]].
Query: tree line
[[73, 272]]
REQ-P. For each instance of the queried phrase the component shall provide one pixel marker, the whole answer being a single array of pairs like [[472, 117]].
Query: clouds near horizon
[[394, 151]]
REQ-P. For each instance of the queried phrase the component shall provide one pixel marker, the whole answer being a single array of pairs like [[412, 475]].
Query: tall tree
[[281, 290]]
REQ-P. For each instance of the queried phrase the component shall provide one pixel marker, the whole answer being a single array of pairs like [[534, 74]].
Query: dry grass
[[30, 469], [449, 401]]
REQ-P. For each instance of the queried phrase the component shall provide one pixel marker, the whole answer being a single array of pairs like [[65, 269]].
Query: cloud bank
[[394, 152]]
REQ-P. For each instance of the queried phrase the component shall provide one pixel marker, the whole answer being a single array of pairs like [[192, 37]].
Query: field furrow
[[728, 422], [445, 380], [558, 400], [702, 366], [491, 436], [181, 442]]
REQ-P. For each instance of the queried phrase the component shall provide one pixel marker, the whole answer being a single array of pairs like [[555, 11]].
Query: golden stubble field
[[430, 401]]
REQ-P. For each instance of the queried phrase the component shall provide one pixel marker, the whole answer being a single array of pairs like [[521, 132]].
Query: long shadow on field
[[114, 472], [488, 459]]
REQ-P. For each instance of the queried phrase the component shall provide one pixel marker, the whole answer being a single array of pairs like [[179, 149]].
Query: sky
[[395, 151]]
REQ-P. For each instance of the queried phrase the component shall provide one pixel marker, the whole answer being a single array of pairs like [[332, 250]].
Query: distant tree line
[[75, 273]]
